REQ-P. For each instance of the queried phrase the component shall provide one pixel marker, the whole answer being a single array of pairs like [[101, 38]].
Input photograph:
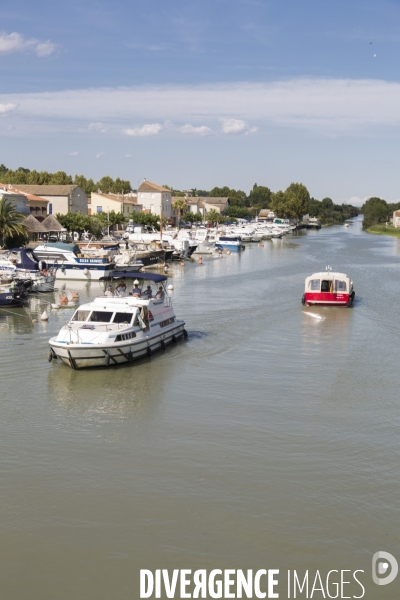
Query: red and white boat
[[328, 288]]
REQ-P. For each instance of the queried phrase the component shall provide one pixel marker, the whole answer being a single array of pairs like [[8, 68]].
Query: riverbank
[[383, 229]]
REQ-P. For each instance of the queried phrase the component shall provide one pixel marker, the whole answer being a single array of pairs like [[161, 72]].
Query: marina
[[226, 449]]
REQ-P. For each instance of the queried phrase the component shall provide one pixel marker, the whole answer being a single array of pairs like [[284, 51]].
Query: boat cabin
[[328, 288]]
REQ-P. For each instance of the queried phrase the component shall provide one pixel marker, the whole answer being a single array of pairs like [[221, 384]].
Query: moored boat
[[230, 242], [328, 288], [113, 330], [72, 264], [13, 293]]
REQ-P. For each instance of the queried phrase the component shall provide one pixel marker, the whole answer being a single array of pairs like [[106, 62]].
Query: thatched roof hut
[[34, 226], [51, 224]]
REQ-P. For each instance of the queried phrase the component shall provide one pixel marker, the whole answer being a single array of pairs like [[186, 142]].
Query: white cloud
[[326, 106], [100, 154], [5, 108], [236, 126], [73, 153], [233, 126], [128, 155], [144, 131], [16, 42], [97, 127], [202, 130]]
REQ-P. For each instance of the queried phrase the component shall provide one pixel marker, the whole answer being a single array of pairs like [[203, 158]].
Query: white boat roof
[[328, 275], [127, 303]]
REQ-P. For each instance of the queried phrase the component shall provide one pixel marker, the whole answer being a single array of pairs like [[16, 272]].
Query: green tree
[[298, 197], [260, 196], [105, 184], [190, 217], [375, 211], [75, 222], [60, 178], [121, 186], [214, 217], [87, 185], [279, 203], [10, 222], [236, 197], [238, 212], [147, 219]]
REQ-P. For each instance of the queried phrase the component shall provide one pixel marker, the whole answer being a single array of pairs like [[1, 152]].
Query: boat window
[[326, 285], [314, 285], [122, 317], [81, 315], [340, 286], [101, 316]]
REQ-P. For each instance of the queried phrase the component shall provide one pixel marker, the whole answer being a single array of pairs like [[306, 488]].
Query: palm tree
[[10, 220], [214, 217], [178, 206]]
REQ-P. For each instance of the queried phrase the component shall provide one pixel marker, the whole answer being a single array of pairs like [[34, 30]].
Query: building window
[[50, 208], [99, 209]]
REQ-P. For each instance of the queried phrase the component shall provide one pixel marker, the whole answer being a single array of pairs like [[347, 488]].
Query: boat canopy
[[134, 275], [27, 260], [63, 246]]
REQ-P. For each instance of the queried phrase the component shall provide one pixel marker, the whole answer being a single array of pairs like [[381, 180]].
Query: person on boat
[[136, 290], [120, 290], [160, 294], [148, 292], [109, 291]]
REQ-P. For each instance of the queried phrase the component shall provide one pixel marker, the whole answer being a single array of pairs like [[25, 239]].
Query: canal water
[[270, 439]]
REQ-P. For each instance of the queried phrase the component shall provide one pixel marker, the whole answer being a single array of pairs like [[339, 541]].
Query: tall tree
[[179, 205], [260, 196], [375, 211], [298, 198]]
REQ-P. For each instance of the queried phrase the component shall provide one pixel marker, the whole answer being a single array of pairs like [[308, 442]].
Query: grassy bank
[[383, 229]]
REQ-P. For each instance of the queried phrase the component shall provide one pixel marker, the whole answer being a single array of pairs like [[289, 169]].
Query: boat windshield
[[122, 318], [101, 316], [80, 315]]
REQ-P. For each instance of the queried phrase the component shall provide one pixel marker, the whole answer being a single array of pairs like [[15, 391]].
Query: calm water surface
[[270, 439]]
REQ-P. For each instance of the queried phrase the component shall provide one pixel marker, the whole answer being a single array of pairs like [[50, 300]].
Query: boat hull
[[205, 248], [231, 247], [328, 299], [82, 356], [82, 272]]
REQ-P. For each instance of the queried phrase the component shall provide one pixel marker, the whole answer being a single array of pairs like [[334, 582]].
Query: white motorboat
[[206, 240], [113, 330], [71, 262], [184, 244]]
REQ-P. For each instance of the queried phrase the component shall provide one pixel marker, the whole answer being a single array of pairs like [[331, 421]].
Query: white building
[[396, 218], [218, 204], [62, 198], [126, 204], [156, 199]]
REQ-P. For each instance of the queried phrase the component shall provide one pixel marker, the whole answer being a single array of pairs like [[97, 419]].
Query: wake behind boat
[[113, 330]]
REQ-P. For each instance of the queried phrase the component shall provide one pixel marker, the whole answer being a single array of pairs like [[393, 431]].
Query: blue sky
[[206, 93]]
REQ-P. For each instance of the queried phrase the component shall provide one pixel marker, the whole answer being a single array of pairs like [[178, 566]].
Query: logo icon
[[381, 561]]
